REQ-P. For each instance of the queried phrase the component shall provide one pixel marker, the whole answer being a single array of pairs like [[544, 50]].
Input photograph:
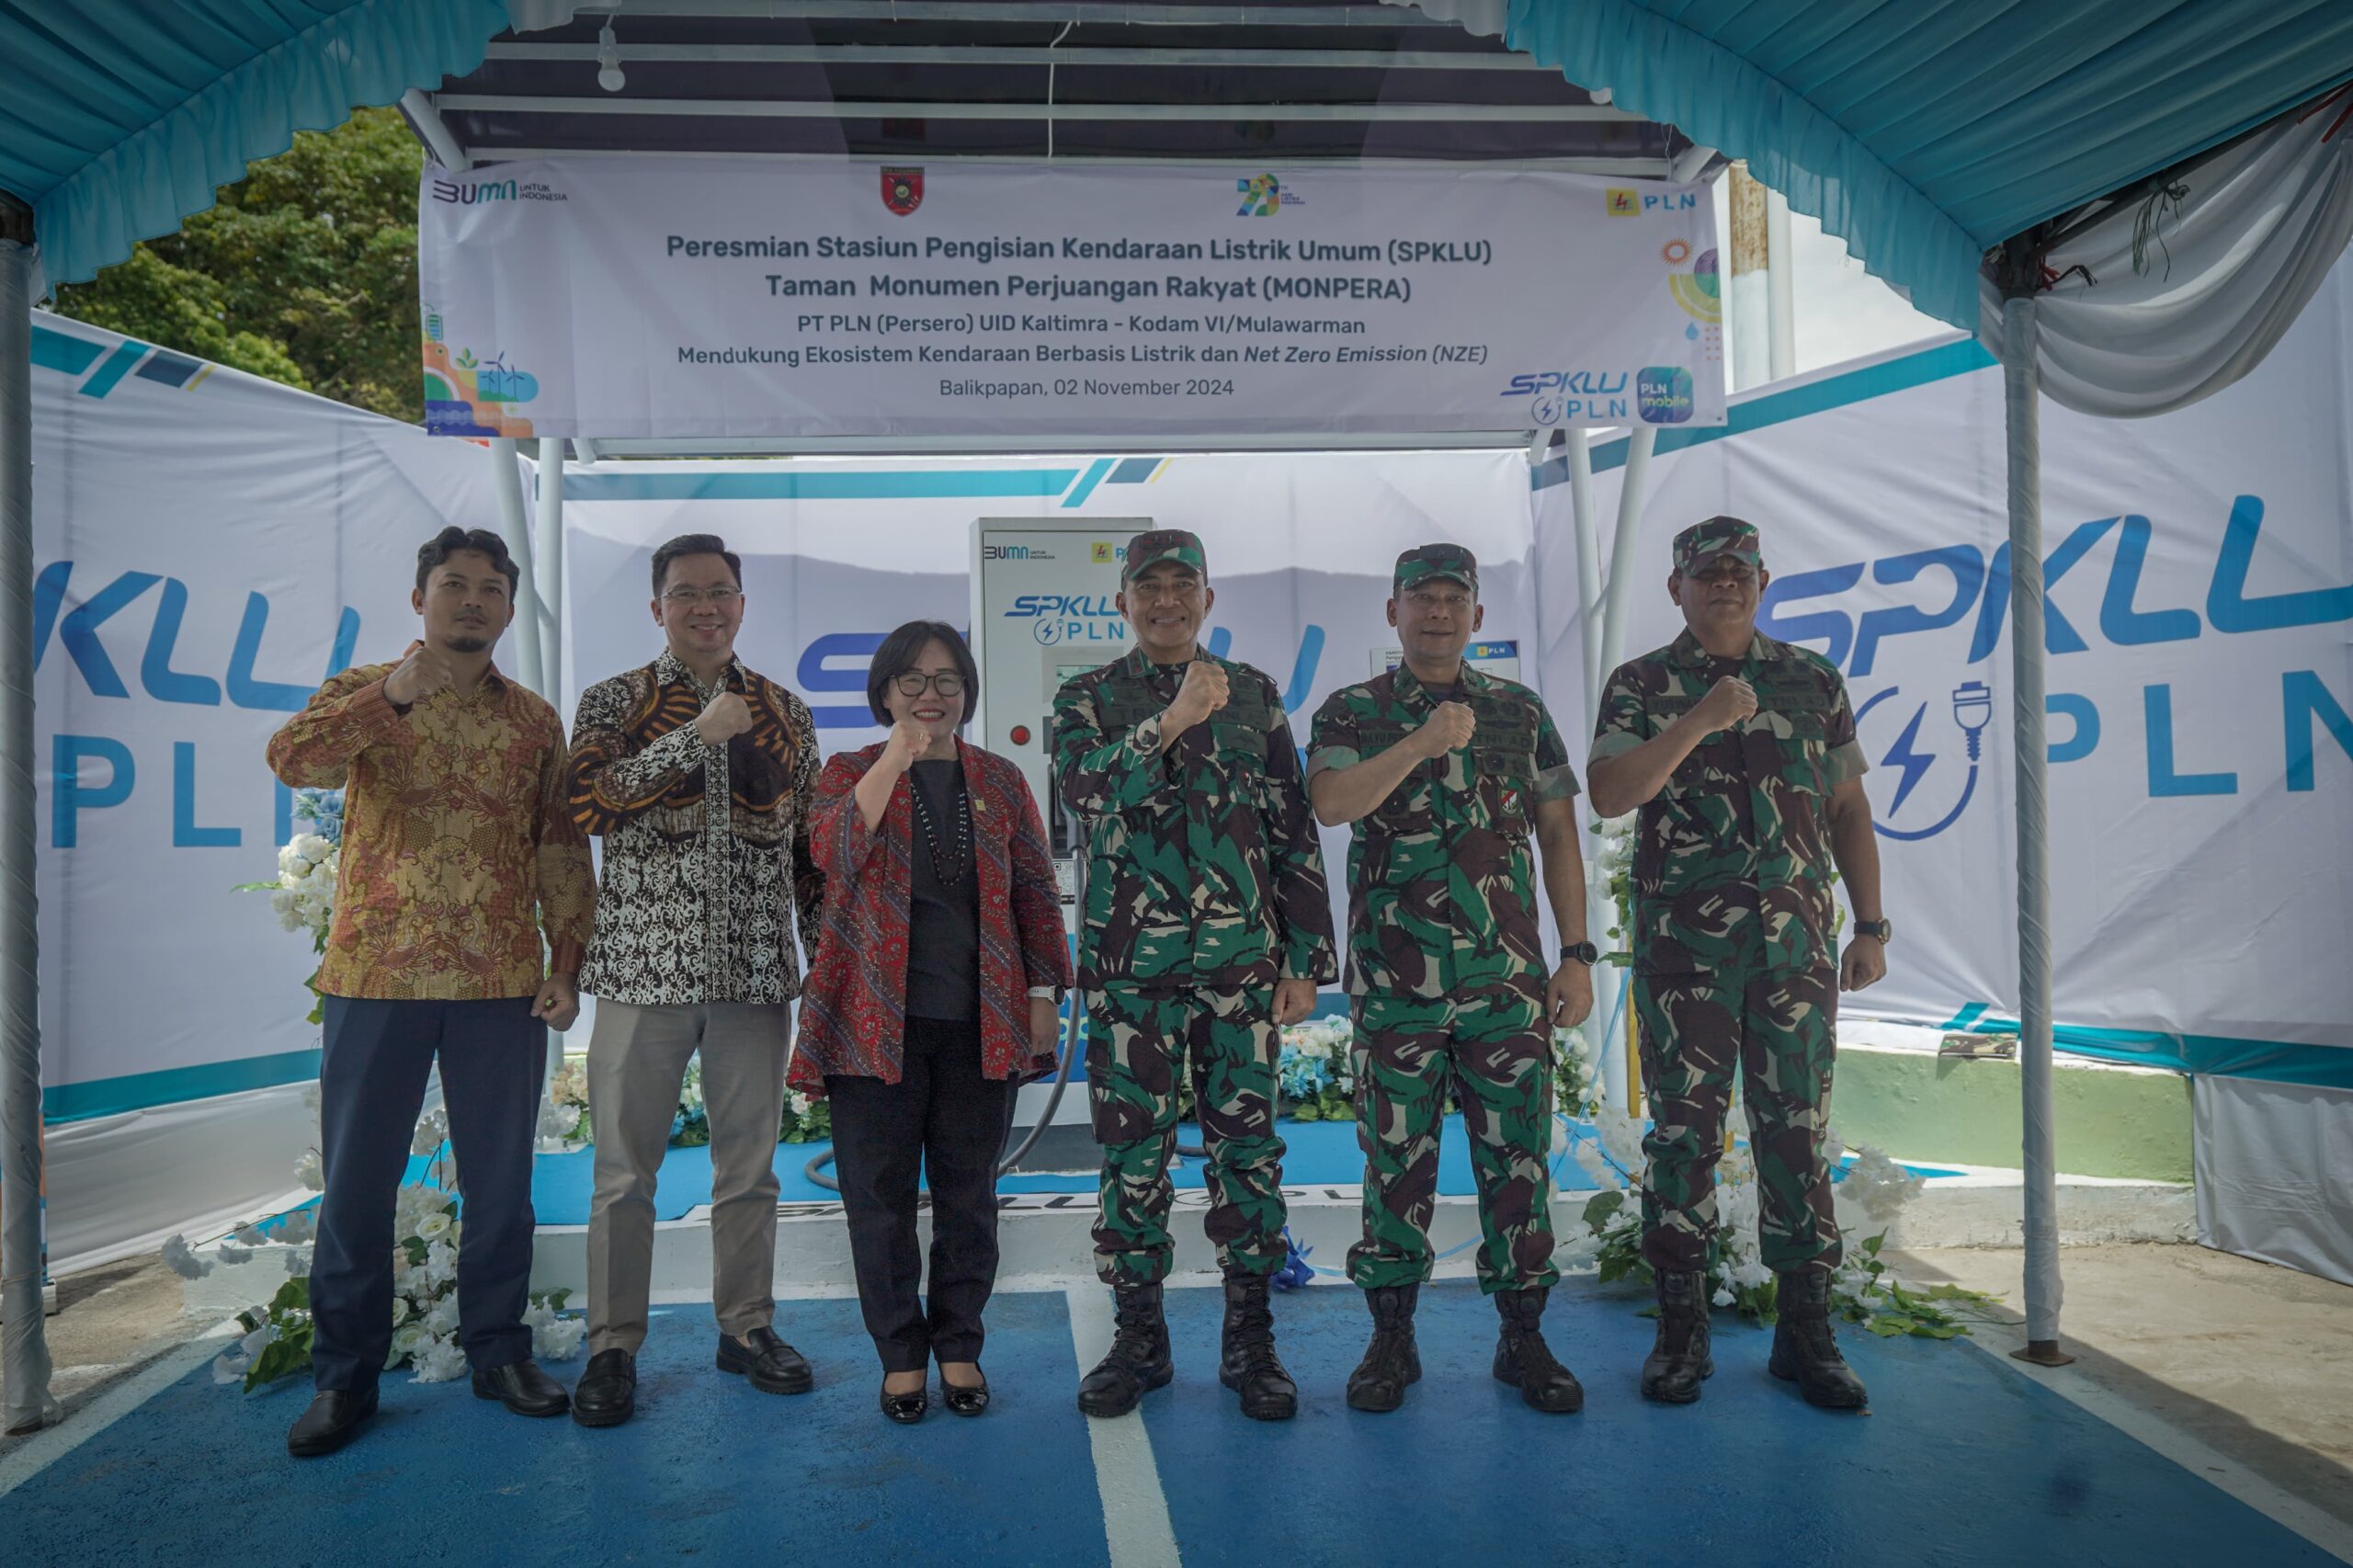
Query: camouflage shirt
[[1732, 857], [1441, 884], [1203, 865]]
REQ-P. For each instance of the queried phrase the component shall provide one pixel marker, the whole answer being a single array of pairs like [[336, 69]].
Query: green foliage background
[[305, 272]]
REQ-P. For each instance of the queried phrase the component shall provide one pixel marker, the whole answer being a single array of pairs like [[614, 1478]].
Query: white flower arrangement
[[429, 1228], [1864, 1289]]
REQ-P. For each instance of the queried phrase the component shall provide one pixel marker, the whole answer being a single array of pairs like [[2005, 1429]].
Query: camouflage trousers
[[1138, 1042], [1780, 1032], [1489, 1046]]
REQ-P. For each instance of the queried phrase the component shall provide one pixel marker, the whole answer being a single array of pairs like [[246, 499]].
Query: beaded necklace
[[949, 870]]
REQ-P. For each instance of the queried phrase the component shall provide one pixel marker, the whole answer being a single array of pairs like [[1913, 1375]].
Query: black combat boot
[[1391, 1362], [1247, 1360], [1803, 1349], [1522, 1358], [1679, 1359], [1138, 1361]]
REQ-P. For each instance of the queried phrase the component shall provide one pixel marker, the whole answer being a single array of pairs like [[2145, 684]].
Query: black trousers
[[371, 1086], [944, 1120]]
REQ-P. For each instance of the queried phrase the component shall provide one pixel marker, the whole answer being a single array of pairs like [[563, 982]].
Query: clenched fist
[[1731, 701], [905, 745], [420, 675], [1447, 728], [727, 717], [1206, 689]]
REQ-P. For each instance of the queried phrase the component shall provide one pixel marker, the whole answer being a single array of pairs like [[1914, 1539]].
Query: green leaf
[[1887, 1325], [1306, 1113], [292, 1296], [1600, 1207]]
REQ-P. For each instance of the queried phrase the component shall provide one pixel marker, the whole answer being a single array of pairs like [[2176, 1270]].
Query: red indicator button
[[1021, 734]]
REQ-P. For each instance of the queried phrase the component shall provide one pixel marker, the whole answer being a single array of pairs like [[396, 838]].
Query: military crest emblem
[[902, 191]]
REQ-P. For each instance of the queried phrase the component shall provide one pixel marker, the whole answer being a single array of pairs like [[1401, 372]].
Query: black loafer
[[906, 1409], [334, 1418], [772, 1366], [964, 1401], [522, 1388], [607, 1393]]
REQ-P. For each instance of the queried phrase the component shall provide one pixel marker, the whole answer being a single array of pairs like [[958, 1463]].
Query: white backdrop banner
[[837, 552], [710, 298], [2199, 568], [208, 547]]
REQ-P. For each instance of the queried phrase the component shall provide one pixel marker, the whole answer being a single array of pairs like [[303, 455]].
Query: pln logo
[[1106, 552], [1622, 203], [1663, 394], [1935, 760], [1263, 196]]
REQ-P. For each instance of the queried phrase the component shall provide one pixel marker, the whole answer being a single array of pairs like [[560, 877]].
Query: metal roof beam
[[772, 108], [1082, 12], [1616, 168], [426, 120], [1021, 54], [610, 448]]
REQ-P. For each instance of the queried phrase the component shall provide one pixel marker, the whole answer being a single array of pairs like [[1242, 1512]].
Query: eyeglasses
[[914, 683], [722, 597]]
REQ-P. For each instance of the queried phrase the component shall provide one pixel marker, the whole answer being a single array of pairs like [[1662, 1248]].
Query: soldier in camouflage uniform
[[1445, 770], [1207, 928], [1741, 752]]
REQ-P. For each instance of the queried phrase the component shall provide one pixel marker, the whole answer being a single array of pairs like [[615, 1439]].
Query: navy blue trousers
[[371, 1086]]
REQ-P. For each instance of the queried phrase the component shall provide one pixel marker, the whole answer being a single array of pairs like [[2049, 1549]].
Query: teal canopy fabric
[[1922, 132], [121, 117]]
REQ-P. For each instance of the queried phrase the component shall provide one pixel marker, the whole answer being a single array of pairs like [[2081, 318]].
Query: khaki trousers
[[637, 1061]]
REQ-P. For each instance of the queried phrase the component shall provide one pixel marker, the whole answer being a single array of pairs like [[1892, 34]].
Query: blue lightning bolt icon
[[1903, 754]]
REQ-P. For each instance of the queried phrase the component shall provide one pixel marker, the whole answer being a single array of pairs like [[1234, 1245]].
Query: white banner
[[837, 552], [2199, 568], [702, 298], [208, 547]]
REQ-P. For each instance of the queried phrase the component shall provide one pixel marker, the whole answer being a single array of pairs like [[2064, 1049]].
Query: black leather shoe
[[607, 1394], [772, 1366], [333, 1419], [522, 1388], [961, 1401], [906, 1409], [1247, 1363]]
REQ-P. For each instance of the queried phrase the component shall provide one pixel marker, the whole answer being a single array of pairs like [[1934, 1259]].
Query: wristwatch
[[1584, 953], [1882, 930]]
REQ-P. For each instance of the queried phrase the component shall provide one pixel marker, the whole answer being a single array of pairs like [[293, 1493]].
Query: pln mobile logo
[[1623, 203], [1663, 394]]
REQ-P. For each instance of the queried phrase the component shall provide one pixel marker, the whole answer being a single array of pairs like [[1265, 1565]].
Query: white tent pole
[[1588, 567], [1598, 911], [515, 529], [2022, 382], [1623, 568], [24, 1347], [547, 556]]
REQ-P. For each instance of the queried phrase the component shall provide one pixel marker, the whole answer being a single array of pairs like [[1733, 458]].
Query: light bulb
[[608, 60]]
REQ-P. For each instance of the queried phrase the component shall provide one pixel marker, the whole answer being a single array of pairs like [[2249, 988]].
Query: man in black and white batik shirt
[[697, 773]]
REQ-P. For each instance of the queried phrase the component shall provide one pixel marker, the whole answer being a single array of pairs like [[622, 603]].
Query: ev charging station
[[1045, 607]]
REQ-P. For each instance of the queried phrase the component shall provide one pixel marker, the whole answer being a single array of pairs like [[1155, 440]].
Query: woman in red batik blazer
[[941, 962]]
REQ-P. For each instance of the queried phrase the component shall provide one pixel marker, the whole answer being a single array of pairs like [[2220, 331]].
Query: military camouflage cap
[[1701, 543], [1148, 549], [1423, 562]]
